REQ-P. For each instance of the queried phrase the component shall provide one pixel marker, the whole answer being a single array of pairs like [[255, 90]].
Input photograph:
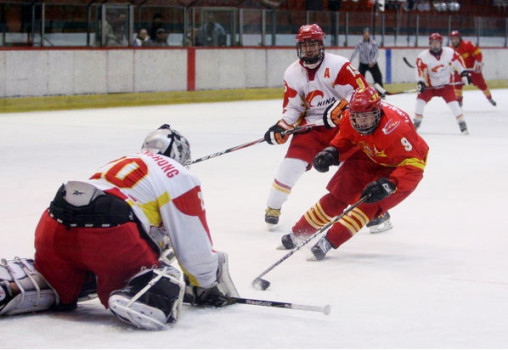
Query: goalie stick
[[407, 62], [295, 130], [262, 284], [280, 304]]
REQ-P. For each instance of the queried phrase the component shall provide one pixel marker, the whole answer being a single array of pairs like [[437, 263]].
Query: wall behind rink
[[44, 72]]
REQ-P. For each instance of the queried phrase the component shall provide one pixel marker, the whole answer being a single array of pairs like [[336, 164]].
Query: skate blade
[[382, 227]]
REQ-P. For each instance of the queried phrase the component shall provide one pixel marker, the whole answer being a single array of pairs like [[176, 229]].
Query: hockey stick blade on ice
[[407, 62], [262, 284], [295, 130], [279, 304]]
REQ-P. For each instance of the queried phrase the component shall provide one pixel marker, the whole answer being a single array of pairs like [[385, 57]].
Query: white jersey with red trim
[[438, 71], [308, 92], [166, 198]]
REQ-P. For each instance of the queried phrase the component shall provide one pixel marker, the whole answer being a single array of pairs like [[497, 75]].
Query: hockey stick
[[252, 143], [262, 284], [407, 62], [279, 304]]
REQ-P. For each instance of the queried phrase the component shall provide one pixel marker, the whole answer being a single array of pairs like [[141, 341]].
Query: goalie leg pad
[[23, 289], [151, 298]]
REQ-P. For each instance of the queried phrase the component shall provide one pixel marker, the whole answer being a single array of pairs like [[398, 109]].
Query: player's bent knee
[[23, 289], [151, 299]]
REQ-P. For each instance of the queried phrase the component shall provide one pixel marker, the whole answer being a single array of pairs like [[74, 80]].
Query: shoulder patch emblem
[[390, 126]]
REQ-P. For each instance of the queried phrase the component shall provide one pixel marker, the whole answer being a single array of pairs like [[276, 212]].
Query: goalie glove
[[275, 135], [325, 158], [420, 87], [466, 77], [333, 113], [378, 190], [477, 68]]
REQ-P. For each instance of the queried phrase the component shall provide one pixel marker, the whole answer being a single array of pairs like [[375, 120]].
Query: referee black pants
[[374, 70]]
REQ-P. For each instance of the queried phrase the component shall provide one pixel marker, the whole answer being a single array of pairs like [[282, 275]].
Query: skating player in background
[[316, 81], [387, 170], [473, 60], [124, 225], [434, 74]]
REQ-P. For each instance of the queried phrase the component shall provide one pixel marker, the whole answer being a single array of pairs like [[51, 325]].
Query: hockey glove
[[333, 113], [420, 87], [325, 158], [478, 66], [466, 77], [275, 135], [378, 190], [205, 297]]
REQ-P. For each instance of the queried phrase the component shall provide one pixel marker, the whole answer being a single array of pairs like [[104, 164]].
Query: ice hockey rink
[[438, 279]]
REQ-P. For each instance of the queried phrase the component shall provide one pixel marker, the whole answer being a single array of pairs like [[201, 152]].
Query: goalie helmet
[[168, 142], [365, 110], [309, 43]]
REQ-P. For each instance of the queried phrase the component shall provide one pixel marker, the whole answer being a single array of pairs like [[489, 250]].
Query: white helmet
[[170, 143]]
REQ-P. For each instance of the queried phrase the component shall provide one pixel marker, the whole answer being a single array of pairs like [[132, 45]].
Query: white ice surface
[[439, 279]]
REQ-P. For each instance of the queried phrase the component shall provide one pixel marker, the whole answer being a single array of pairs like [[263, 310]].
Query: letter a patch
[[327, 73]]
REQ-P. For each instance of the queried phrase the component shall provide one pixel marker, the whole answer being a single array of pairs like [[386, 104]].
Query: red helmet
[[455, 33], [435, 36], [310, 32], [310, 35], [365, 110]]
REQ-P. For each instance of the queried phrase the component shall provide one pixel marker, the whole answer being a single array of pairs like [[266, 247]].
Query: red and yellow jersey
[[166, 199], [308, 92], [469, 53], [395, 144]]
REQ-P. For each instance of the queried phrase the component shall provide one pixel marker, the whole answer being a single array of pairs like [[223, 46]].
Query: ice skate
[[417, 123], [320, 249], [272, 217], [380, 224], [492, 102], [288, 242], [463, 128]]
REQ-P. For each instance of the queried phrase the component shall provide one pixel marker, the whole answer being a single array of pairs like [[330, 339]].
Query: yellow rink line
[[48, 103]]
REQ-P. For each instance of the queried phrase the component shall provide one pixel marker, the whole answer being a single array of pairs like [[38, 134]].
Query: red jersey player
[[312, 83], [472, 57], [434, 72], [387, 170]]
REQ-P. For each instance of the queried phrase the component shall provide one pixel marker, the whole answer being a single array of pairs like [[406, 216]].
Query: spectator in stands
[[115, 30], [211, 33], [156, 24], [142, 39], [161, 38]]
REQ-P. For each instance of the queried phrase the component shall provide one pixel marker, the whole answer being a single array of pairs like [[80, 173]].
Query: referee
[[368, 49]]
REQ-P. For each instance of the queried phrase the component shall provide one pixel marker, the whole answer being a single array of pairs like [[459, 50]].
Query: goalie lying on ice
[[118, 226]]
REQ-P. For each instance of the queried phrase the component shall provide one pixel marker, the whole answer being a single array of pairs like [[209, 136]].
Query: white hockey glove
[[478, 66]]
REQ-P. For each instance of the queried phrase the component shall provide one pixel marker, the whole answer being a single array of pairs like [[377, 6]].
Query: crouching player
[[119, 226], [387, 170]]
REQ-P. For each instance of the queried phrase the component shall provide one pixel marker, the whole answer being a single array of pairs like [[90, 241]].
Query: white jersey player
[[314, 83], [119, 226], [434, 74]]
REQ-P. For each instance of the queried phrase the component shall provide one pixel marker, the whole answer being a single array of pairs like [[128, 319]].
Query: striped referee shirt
[[368, 51]]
